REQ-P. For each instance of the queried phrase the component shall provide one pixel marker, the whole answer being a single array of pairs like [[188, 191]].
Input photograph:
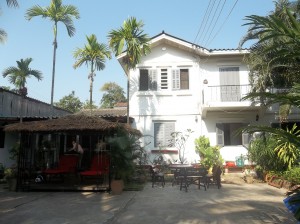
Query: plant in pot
[[124, 153], [209, 155], [10, 175]]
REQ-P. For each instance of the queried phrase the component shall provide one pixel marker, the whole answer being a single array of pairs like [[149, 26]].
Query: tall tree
[[272, 58], [93, 54], [70, 103], [114, 94], [56, 12], [19, 75], [131, 38], [3, 34]]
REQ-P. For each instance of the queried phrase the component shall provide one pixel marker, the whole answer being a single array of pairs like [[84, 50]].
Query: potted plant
[[124, 151], [248, 174], [209, 155], [10, 175]]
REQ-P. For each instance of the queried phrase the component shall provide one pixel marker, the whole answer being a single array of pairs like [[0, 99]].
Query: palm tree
[[12, 3], [129, 37], [93, 54], [267, 68], [56, 12], [273, 60], [287, 140], [18, 75], [3, 34]]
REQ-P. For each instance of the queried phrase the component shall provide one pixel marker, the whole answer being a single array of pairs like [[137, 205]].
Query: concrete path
[[233, 203]]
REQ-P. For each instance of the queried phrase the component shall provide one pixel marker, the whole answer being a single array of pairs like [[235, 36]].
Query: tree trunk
[[91, 91], [53, 68], [128, 88]]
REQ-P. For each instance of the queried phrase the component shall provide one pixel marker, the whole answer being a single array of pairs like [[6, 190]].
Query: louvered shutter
[[153, 79], [169, 129], [176, 79], [162, 133], [158, 134], [220, 134], [230, 84]]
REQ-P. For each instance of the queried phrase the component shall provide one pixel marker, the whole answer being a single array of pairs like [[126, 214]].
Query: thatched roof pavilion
[[69, 124]]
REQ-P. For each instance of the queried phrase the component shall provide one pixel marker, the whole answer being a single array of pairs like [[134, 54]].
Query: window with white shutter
[[162, 133], [152, 79], [164, 78], [230, 134], [148, 79], [176, 79], [180, 79], [230, 84]]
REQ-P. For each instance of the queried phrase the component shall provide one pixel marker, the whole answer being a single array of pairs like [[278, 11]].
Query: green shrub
[[209, 155], [292, 175], [262, 152]]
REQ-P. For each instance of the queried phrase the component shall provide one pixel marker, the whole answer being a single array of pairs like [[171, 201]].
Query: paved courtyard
[[235, 202]]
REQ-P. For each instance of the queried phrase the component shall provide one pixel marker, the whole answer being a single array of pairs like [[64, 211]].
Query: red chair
[[67, 164], [99, 167]]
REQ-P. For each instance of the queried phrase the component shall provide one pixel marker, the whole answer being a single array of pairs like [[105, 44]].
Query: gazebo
[[42, 143]]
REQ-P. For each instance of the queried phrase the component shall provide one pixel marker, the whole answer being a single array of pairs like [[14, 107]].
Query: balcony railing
[[225, 93]]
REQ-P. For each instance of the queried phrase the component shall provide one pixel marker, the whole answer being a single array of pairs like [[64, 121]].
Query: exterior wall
[[199, 108], [10, 106], [10, 140]]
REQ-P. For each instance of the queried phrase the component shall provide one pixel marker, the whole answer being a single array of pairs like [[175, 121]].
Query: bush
[[209, 155], [292, 175], [261, 151]]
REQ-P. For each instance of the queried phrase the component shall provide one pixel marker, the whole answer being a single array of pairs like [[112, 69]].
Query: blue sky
[[179, 18]]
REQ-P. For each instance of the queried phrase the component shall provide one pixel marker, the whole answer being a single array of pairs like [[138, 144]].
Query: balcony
[[226, 98]]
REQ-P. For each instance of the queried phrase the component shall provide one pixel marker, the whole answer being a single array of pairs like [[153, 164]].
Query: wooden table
[[186, 174]]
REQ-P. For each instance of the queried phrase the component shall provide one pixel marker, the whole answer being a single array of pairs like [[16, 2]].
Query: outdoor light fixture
[[196, 118], [205, 81]]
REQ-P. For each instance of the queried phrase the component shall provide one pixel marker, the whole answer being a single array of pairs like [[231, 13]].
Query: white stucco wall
[[184, 106], [10, 140]]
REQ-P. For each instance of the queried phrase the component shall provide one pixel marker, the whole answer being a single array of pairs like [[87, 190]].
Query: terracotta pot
[[12, 184], [117, 186]]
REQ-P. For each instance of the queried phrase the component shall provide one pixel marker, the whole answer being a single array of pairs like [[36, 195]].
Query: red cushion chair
[[99, 167], [67, 164]]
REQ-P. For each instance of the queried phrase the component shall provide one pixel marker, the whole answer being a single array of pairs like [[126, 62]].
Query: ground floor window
[[2, 137], [162, 133], [229, 134]]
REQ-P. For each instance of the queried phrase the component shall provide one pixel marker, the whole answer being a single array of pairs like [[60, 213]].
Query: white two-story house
[[180, 86]]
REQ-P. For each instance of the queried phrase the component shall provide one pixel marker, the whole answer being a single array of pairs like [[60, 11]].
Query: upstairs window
[[164, 78], [180, 79], [148, 79], [230, 84]]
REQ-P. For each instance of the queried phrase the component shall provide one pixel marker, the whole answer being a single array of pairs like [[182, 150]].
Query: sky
[[211, 24]]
